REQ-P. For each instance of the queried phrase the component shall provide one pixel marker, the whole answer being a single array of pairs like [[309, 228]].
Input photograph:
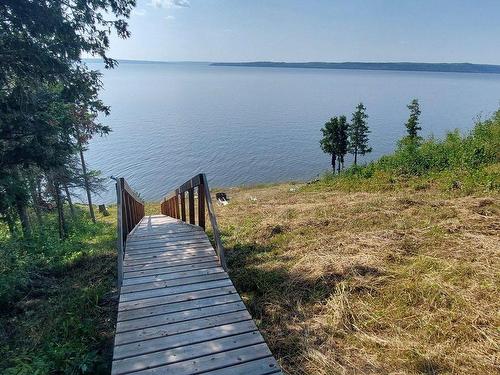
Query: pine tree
[[412, 125], [358, 133]]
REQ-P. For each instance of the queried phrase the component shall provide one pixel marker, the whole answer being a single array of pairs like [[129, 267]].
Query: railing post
[[191, 206], [129, 212], [183, 206], [213, 221], [171, 208], [201, 205], [119, 228]]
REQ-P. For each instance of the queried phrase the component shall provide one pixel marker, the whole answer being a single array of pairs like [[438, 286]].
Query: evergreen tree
[[358, 133], [335, 140], [37, 95], [412, 125], [327, 143], [342, 140]]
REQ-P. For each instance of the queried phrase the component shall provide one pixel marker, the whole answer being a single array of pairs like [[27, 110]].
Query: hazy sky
[[313, 30]]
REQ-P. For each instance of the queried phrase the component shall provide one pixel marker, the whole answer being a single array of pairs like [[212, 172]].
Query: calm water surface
[[256, 125]]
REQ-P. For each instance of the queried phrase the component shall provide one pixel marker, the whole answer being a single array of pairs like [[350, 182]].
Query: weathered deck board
[[179, 312]]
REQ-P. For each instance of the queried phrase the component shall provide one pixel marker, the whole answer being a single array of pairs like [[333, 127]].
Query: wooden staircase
[[179, 312]]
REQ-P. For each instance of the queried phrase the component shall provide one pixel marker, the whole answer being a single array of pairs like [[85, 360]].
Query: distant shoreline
[[396, 66]]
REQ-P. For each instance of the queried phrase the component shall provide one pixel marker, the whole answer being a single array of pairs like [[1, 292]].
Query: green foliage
[[54, 308], [49, 104], [412, 125], [458, 162], [335, 139], [358, 133]]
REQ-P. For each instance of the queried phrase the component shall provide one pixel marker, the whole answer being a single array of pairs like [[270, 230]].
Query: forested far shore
[[395, 66]]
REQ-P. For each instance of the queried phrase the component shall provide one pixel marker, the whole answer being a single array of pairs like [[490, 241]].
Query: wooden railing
[[175, 206], [130, 211]]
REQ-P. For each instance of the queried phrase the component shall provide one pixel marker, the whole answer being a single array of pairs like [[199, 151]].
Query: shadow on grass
[[277, 298]]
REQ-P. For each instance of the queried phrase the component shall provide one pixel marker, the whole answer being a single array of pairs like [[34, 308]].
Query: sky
[[313, 30]]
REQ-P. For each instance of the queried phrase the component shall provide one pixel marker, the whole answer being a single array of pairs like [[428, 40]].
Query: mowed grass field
[[397, 281], [341, 278]]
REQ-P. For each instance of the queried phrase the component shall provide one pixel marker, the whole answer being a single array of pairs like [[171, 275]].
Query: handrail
[[130, 211], [175, 206]]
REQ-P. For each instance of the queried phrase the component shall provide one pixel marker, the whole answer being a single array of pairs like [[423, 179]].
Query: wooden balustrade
[[130, 211], [175, 206]]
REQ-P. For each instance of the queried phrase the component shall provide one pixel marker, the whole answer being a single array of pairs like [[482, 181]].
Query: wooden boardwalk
[[179, 313]]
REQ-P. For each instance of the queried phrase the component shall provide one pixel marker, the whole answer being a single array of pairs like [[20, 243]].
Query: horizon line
[[94, 59]]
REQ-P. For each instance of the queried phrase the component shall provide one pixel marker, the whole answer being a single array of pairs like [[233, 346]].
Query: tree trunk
[[87, 184], [36, 202], [338, 165], [20, 204], [355, 156], [60, 212], [70, 202], [334, 158], [11, 223], [22, 211]]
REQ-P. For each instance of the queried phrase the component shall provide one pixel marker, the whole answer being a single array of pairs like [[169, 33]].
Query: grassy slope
[[342, 276], [402, 280], [59, 303]]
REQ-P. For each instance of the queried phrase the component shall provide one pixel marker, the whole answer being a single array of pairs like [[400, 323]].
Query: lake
[[243, 126]]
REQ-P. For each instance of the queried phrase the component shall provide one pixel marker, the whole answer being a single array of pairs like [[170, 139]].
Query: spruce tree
[[412, 125], [358, 133]]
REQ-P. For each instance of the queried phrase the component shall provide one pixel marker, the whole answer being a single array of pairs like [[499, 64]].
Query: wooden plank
[[180, 277], [185, 353], [263, 366], [179, 316], [167, 247], [148, 247], [151, 242], [137, 239], [166, 228], [210, 297], [149, 294], [182, 339], [143, 269], [143, 286], [146, 334], [211, 362], [163, 247], [162, 260], [173, 298], [179, 312], [178, 259], [173, 254]]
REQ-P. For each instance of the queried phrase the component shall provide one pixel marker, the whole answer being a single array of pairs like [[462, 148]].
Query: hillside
[[401, 281]]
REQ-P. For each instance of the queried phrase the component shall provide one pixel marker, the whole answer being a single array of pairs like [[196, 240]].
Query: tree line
[[49, 104], [341, 137]]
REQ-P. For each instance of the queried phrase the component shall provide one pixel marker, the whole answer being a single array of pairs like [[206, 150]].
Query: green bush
[[56, 315], [461, 161]]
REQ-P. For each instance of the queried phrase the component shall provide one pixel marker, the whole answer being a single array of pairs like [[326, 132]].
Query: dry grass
[[398, 282]]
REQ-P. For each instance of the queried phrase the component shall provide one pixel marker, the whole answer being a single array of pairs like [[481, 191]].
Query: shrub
[[458, 159]]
